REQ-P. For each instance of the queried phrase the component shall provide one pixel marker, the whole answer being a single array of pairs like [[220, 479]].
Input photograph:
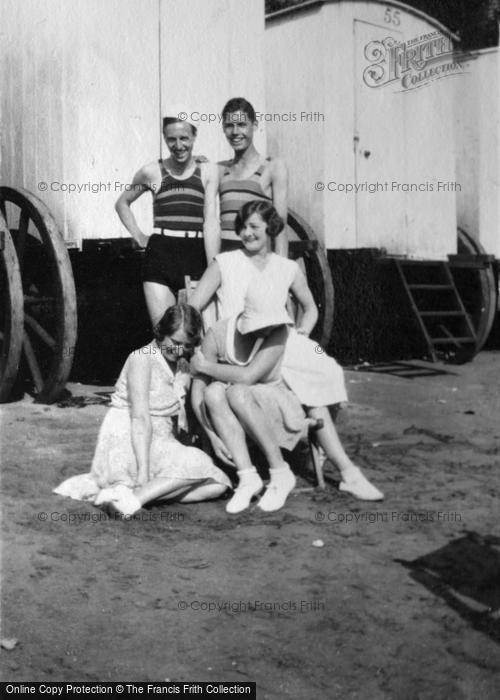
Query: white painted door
[[379, 143]]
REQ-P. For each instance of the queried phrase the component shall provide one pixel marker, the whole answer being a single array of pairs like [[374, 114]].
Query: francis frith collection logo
[[410, 64]]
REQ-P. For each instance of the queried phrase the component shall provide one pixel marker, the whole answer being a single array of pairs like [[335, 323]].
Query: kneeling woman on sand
[[137, 458]]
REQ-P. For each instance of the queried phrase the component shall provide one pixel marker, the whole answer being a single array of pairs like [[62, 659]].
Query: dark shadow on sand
[[466, 575]]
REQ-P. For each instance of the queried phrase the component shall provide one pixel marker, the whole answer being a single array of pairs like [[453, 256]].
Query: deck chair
[[315, 456]]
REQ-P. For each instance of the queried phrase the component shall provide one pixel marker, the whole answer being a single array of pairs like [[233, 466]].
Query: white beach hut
[[392, 134]]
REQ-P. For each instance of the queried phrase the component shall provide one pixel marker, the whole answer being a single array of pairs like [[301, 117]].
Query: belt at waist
[[178, 234]]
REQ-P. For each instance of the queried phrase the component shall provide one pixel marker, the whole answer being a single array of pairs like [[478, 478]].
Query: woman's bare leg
[[205, 492], [233, 436], [226, 425], [329, 440], [122, 500], [353, 481], [254, 421]]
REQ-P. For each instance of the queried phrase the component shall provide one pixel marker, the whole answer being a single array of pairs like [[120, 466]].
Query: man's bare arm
[[143, 181], [279, 184], [211, 227]]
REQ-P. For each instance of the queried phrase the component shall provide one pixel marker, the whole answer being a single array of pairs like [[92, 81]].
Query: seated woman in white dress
[[243, 356], [316, 378], [137, 458]]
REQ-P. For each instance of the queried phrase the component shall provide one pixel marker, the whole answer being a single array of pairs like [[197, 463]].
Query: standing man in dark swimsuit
[[249, 175], [184, 205]]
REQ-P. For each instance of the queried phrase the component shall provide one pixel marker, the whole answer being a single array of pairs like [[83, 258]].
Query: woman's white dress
[[281, 407], [311, 374], [114, 459]]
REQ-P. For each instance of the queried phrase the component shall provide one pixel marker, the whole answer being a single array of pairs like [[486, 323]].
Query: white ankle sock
[[282, 482], [249, 485]]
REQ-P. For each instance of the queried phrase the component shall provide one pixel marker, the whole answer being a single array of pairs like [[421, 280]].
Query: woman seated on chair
[[137, 458], [243, 356], [315, 378]]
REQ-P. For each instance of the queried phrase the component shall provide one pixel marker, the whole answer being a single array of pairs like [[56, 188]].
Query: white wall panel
[[212, 50], [477, 112]]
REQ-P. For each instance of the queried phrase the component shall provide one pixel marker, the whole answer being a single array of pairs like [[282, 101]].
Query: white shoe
[[244, 493], [359, 486], [119, 500], [277, 491]]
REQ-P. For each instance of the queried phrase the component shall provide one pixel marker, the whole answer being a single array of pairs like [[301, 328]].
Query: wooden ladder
[[422, 294]]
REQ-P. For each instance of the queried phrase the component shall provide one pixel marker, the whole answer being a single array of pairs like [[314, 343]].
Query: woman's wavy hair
[[180, 316], [266, 211]]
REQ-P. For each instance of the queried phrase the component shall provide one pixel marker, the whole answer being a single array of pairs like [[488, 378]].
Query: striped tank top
[[235, 193], [178, 204]]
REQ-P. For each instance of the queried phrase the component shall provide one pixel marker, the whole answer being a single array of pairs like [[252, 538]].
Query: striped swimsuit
[[235, 193], [178, 205]]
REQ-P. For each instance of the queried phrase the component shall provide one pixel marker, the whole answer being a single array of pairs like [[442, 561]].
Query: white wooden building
[[86, 82], [363, 116]]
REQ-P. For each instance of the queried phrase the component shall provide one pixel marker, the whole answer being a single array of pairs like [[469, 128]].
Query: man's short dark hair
[[239, 104]]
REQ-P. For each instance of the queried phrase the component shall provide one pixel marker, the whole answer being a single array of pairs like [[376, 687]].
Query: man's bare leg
[[158, 299]]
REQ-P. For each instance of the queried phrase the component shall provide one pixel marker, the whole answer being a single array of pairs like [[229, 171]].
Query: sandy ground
[[400, 602]]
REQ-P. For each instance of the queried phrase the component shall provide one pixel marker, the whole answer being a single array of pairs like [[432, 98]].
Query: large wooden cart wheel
[[318, 274], [49, 292], [478, 291], [11, 313]]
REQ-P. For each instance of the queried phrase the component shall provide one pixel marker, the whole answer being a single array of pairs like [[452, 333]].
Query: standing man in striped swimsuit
[[184, 205], [249, 175]]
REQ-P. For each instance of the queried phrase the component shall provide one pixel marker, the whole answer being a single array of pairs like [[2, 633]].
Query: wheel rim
[[319, 277], [49, 292], [11, 313], [479, 285]]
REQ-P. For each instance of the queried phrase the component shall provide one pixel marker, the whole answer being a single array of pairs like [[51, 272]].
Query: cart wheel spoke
[[11, 312], [50, 300], [38, 300], [33, 363], [32, 323]]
